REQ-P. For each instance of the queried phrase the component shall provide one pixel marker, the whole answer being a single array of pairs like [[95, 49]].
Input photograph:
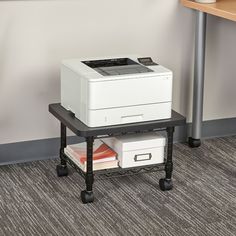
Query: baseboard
[[32, 150], [210, 129], [49, 148]]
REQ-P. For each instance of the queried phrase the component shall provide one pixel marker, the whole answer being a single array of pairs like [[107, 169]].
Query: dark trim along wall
[[49, 148]]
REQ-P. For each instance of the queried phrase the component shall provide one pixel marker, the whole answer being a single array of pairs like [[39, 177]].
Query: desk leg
[[87, 195], [166, 183], [62, 169], [199, 69]]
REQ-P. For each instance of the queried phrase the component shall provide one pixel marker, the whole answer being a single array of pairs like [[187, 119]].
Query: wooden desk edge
[[207, 8]]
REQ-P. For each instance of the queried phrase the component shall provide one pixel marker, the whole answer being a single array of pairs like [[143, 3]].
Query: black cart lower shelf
[[67, 119]]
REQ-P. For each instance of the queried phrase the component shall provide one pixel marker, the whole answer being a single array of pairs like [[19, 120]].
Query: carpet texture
[[34, 201]]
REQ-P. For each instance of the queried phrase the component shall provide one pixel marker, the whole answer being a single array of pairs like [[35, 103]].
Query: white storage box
[[138, 149]]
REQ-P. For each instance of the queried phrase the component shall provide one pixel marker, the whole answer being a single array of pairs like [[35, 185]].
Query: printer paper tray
[[131, 114]]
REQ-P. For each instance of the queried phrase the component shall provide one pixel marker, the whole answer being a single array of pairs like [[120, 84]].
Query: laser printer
[[116, 90]]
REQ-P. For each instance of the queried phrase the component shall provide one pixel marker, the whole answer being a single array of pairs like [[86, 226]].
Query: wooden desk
[[222, 8]]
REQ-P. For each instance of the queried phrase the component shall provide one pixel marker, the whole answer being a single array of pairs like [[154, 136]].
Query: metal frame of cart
[[68, 119]]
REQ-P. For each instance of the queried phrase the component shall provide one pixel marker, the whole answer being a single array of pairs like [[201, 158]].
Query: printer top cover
[[117, 66], [110, 68]]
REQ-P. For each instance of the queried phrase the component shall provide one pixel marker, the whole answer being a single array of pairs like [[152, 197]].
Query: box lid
[[140, 141]]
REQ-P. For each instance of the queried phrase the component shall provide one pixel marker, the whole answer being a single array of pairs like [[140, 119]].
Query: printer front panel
[[130, 92]]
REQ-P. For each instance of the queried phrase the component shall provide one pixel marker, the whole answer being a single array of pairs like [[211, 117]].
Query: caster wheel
[[193, 143], [165, 184], [87, 196], [62, 170]]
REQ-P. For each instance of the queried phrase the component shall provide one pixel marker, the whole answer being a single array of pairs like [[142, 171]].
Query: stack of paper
[[103, 156]]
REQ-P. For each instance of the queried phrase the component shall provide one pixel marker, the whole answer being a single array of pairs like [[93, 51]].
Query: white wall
[[36, 35]]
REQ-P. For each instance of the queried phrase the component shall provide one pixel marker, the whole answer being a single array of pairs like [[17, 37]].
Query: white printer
[[117, 90]]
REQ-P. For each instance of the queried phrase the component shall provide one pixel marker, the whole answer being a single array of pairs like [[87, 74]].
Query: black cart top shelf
[[82, 130]]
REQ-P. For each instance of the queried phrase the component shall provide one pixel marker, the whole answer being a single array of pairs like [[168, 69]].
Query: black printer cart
[[68, 120]]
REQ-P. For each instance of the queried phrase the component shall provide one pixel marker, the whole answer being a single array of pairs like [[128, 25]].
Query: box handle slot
[[143, 157]]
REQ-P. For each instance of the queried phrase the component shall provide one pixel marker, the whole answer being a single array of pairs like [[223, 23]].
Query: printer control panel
[[147, 61]]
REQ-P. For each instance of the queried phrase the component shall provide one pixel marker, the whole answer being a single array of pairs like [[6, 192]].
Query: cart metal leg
[[199, 69], [87, 195], [62, 169], [166, 183]]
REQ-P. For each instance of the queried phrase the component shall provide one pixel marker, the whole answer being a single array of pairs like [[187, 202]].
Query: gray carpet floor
[[34, 201]]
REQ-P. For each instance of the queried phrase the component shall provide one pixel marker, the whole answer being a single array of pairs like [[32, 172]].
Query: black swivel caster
[[62, 170], [165, 184], [87, 196], [194, 143]]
